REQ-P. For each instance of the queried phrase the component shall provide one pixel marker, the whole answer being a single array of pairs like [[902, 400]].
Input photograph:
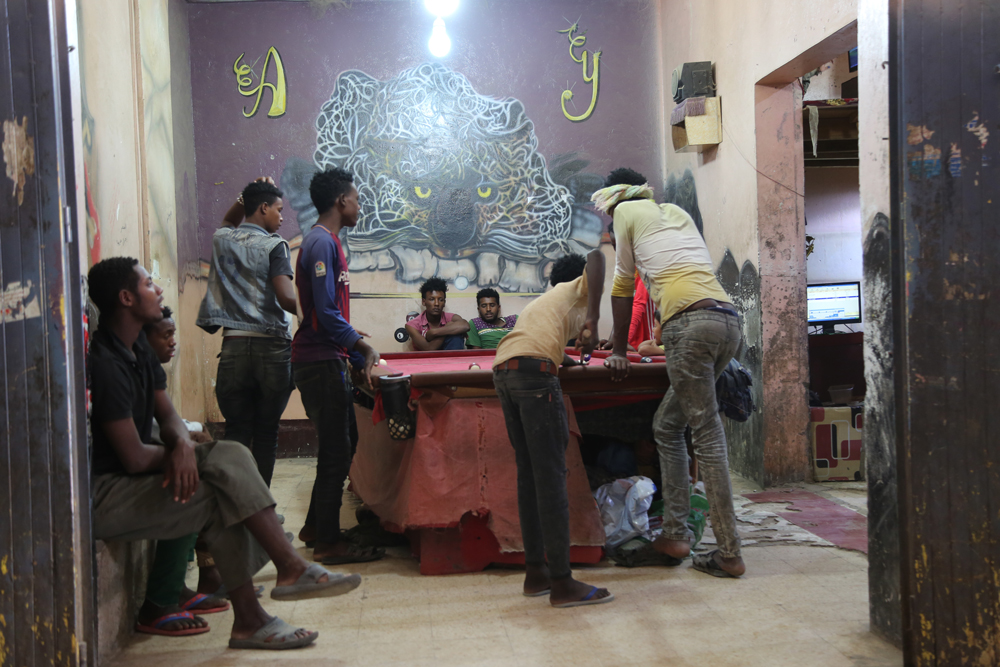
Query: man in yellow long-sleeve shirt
[[700, 333]]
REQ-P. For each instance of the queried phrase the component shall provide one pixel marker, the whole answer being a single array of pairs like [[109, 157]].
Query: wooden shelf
[[696, 123]]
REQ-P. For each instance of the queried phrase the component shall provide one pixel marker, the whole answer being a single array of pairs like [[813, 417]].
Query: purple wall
[[506, 48]]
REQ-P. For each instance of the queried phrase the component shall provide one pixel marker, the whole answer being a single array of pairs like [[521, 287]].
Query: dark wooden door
[[945, 115], [45, 563]]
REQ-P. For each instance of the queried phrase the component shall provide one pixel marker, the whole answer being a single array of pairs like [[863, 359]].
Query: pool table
[[451, 486]]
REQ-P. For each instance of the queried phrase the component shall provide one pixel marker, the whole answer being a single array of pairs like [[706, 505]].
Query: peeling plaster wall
[[113, 198], [196, 351], [112, 128], [747, 41], [879, 438], [130, 205], [826, 84], [744, 439], [781, 215], [158, 159]]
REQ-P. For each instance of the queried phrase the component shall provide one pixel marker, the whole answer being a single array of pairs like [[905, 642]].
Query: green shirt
[[488, 336]]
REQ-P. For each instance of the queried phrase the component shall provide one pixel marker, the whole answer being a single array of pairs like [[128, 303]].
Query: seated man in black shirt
[[144, 491]]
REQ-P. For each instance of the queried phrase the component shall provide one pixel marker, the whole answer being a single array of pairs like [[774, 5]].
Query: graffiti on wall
[[245, 76], [742, 284], [451, 182], [682, 192], [578, 42]]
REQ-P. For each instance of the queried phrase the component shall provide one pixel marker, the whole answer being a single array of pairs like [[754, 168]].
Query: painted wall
[[880, 400], [748, 41], [826, 81], [502, 139], [111, 129], [159, 204], [127, 131], [833, 212], [112, 197], [196, 351], [133, 131]]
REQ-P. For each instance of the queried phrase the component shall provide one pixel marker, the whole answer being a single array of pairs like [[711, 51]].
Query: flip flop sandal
[[355, 554], [309, 586], [156, 628], [538, 594], [589, 599], [218, 604], [706, 563], [644, 556], [276, 635]]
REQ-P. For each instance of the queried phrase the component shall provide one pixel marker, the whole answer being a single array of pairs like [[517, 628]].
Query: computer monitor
[[833, 303]]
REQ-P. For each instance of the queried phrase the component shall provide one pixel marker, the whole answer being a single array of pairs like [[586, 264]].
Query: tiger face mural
[[451, 182]]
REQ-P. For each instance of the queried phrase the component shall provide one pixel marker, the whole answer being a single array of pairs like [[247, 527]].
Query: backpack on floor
[[733, 392]]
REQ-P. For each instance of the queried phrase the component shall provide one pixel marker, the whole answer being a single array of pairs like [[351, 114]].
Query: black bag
[[732, 390]]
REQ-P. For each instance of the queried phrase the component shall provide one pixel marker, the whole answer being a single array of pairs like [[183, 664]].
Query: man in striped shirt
[[700, 333]]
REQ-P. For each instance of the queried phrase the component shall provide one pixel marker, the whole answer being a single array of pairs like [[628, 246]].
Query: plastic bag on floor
[[697, 518], [624, 505]]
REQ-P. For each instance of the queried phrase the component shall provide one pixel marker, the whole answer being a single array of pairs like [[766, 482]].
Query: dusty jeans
[[533, 408], [698, 347]]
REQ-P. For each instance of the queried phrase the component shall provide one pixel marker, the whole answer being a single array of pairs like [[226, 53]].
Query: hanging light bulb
[[439, 43], [441, 7]]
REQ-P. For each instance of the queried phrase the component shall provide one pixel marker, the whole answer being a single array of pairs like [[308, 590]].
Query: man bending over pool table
[[525, 375]]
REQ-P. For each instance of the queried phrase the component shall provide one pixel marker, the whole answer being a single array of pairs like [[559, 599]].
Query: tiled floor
[[797, 605]]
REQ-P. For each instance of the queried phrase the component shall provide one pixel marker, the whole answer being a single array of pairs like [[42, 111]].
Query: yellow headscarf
[[607, 197]]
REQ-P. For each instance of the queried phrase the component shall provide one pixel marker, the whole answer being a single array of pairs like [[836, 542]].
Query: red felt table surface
[[590, 386], [412, 363]]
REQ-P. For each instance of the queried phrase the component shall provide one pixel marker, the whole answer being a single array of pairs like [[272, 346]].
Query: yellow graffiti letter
[[243, 81], [592, 78]]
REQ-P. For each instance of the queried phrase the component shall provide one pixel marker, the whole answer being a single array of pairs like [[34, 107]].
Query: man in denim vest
[[249, 291]]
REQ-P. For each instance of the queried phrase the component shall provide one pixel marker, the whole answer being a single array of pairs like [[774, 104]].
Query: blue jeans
[[456, 342], [329, 402], [698, 346], [533, 408], [253, 385]]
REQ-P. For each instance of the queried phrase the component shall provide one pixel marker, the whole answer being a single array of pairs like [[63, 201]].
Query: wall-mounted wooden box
[[696, 123]]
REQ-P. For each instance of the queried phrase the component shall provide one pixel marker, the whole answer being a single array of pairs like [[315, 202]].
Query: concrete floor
[[799, 604]]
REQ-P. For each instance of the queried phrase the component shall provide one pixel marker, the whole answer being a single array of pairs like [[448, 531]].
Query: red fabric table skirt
[[460, 461]]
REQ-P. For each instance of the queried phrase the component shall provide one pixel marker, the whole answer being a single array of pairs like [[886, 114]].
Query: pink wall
[[833, 200], [833, 212]]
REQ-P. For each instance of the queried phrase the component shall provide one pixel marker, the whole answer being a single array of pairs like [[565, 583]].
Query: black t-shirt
[[281, 263], [122, 384]]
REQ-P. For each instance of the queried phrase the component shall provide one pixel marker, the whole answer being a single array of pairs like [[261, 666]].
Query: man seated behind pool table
[[487, 330], [434, 329]]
